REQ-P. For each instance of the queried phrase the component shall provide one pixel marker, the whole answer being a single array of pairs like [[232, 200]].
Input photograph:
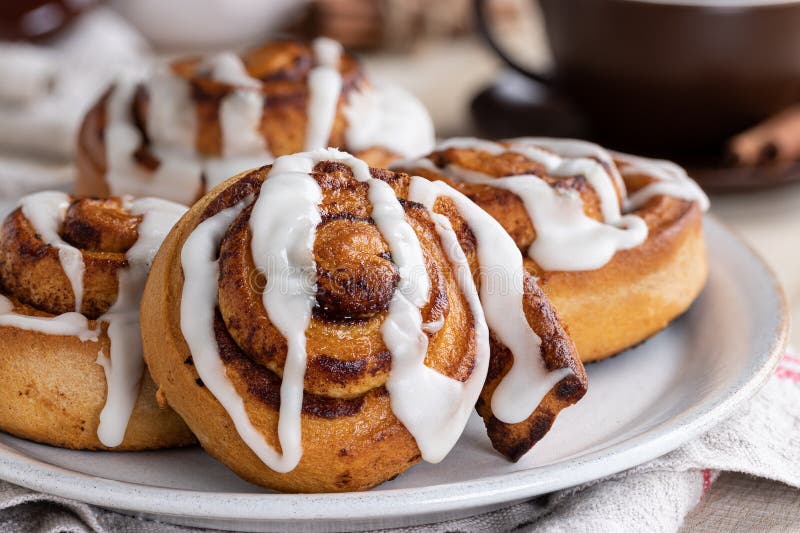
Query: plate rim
[[16, 467]]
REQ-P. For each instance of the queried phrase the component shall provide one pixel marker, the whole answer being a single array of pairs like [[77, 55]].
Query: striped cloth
[[762, 439]]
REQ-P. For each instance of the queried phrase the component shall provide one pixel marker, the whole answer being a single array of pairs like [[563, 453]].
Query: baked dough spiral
[[318, 325], [71, 370], [181, 129], [615, 240]]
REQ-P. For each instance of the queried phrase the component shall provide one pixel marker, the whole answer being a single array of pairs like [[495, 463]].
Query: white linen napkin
[[762, 439]]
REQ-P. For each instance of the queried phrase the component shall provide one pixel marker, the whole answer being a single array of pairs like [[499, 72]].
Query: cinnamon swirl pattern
[[328, 325], [180, 130], [72, 271], [615, 240]]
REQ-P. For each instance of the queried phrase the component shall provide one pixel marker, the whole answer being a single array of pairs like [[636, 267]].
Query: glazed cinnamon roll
[[615, 241], [322, 326], [183, 128], [72, 271]]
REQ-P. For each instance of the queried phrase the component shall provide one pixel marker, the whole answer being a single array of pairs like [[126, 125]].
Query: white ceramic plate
[[641, 404]]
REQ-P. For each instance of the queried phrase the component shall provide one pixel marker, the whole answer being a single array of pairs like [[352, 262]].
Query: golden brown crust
[[637, 293], [348, 443], [351, 438], [558, 351], [100, 225], [30, 270], [51, 388], [282, 67], [52, 391]]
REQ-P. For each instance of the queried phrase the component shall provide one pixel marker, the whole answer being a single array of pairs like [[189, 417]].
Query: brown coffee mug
[[672, 76]]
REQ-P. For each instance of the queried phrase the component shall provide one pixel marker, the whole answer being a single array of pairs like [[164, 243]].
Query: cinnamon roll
[[181, 129], [615, 241], [71, 370], [322, 326]]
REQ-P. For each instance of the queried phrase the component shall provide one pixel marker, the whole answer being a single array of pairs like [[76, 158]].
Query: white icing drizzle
[[46, 211], [671, 180], [124, 366], [502, 286], [178, 175], [240, 111], [421, 387], [433, 326], [324, 88], [388, 117], [227, 67], [572, 158], [68, 324], [566, 238], [472, 143], [198, 306], [562, 158], [172, 129], [433, 407], [283, 226], [171, 117]]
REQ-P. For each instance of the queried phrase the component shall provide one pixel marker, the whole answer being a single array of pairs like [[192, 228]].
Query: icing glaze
[[282, 223], [434, 407], [567, 238], [45, 211], [198, 305], [324, 88], [124, 366], [501, 295], [172, 130], [572, 158], [239, 114], [387, 117], [178, 174], [68, 324], [228, 68], [171, 118], [283, 226], [433, 326], [670, 180], [413, 387]]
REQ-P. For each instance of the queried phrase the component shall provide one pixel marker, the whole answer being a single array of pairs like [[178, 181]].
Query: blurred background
[[713, 84], [57, 56]]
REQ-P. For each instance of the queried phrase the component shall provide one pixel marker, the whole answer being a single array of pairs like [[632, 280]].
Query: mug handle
[[481, 7]]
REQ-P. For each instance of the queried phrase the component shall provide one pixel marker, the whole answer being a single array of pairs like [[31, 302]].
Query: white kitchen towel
[[761, 439]]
